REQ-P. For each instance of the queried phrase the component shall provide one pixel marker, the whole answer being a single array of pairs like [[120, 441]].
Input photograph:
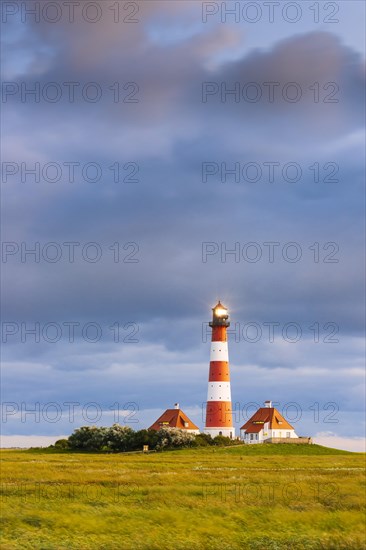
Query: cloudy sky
[[159, 156]]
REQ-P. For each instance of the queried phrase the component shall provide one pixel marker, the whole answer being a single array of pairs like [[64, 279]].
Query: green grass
[[251, 497]]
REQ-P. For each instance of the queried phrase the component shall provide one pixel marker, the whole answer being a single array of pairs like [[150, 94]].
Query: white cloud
[[330, 439]]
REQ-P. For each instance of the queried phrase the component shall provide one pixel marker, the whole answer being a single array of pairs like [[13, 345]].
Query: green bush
[[88, 438], [144, 437], [203, 440], [62, 444], [223, 441], [119, 438], [173, 438]]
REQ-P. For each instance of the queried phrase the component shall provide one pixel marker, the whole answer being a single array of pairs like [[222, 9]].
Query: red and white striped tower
[[219, 417]]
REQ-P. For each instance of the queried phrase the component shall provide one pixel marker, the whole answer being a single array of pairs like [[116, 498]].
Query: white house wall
[[266, 434]]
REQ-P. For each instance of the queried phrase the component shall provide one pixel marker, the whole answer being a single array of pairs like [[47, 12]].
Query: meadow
[[246, 497]]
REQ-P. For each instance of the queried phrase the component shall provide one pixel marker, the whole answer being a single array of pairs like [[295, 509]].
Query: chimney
[[268, 404], [176, 405]]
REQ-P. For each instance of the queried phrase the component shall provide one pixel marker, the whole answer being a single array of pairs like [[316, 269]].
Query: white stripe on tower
[[219, 391], [219, 351]]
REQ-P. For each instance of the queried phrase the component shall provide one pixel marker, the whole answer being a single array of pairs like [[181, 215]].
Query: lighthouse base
[[226, 432]]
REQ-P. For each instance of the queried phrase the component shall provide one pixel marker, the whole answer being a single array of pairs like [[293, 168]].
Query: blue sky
[[150, 252]]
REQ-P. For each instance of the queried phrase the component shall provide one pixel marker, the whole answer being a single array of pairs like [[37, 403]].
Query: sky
[[158, 156]]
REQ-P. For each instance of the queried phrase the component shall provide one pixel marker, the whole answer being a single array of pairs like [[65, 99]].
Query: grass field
[[255, 497]]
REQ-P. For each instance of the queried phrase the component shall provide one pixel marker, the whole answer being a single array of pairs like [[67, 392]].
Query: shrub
[[144, 437], [172, 438], [115, 438], [118, 438], [88, 438], [203, 440], [62, 444], [222, 441]]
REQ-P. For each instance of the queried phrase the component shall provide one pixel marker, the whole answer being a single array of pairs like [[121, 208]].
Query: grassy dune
[[259, 497]]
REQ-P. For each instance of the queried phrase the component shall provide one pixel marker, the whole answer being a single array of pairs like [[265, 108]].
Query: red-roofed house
[[266, 423], [175, 418]]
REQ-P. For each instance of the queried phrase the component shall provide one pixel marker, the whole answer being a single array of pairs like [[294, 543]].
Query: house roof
[[256, 428], [263, 415], [173, 418]]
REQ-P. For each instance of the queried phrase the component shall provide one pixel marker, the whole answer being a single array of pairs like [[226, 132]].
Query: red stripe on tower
[[219, 417]]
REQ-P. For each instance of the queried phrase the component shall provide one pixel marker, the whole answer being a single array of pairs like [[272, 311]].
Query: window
[[220, 433], [251, 437], [256, 436], [288, 434]]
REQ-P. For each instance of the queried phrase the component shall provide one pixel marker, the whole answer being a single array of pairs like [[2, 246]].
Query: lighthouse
[[219, 418]]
